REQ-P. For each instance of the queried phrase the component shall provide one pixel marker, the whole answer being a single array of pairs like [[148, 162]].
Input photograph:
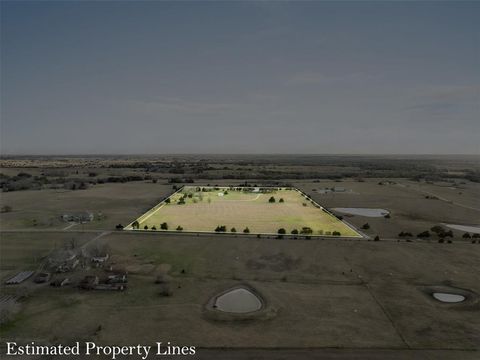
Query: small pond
[[468, 228], [368, 212], [239, 300], [448, 298]]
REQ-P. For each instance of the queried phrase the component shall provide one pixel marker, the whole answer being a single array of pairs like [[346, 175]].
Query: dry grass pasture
[[334, 298], [329, 293]]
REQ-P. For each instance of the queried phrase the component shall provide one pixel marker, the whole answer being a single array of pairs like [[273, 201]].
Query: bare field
[[203, 211]]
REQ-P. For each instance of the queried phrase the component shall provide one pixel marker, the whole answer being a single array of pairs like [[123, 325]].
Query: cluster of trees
[[307, 231], [223, 228], [272, 200], [26, 181], [163, 226], [441, 232]]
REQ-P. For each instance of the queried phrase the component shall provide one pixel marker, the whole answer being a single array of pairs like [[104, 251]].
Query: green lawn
[[203, 209]]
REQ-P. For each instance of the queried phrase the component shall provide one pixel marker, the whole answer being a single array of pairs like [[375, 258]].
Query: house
[[42, 277], [100, 259], [81, 217]]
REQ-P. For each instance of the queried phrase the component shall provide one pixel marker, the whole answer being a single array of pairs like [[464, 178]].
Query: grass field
[[203, 209]]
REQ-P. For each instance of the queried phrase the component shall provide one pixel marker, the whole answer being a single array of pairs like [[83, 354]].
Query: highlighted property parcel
[[255, 210]]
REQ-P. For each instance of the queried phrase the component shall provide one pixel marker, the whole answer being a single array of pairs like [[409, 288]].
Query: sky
[[151, 77]]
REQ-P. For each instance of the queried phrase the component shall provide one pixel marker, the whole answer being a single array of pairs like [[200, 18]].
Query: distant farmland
[[242, 210]]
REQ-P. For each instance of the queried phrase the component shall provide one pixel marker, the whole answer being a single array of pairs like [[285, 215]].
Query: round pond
[[448, 298], [468, 228], [239, 300]]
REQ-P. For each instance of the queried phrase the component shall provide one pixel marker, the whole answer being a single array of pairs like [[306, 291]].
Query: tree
[[233, 230], [282, 231], [307, 230], [366, 226], [164, 226], [377, 238], [271, 200], [145, 227], [466, 235], [294, 231], [135, 225], [281, 200], [179, 228], [119, 227], [246, 230]]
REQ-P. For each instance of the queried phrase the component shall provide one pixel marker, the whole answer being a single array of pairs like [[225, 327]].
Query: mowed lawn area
[[238, 209]]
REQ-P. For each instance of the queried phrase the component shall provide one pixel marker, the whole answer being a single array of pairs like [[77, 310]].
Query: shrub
[[282, 231], [233, 230], [164, 226], [336, 233], [135, 225], [246, 230], [281, 200], [119, 227], [179, 228], [466, 235], [294, 232], [167, 201], [154, 227], [271, 200], [145, 227], [377, 238], [366, 226]]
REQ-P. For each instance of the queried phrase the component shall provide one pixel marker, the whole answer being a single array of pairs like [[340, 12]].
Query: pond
[[368, 212], [468, 228], [239, 300], [448, 298]]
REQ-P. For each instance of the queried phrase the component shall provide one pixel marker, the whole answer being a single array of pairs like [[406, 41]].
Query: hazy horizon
[[246, 78]]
